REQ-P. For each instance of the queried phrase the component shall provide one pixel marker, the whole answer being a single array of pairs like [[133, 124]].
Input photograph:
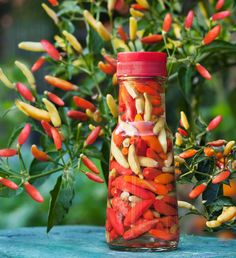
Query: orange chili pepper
[[60, 83], [106, 68], [148, 215], [83, 103], [38, 154], [38, 64], [151, 173], [164, 178], [197, 191], [89, 164], [188, 154], [209, 152], [122, 33], [56, 138], [163, 234], [221, 177], [152, 39]]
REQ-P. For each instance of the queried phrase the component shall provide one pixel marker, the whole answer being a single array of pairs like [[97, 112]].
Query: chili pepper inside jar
[[142, 211]]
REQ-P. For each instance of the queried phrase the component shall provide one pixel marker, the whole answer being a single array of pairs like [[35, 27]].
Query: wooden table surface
[[89, 242]]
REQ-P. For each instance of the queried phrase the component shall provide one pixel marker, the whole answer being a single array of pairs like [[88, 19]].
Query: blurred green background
[[22, 20]]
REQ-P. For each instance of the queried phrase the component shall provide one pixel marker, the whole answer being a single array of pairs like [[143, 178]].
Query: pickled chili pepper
[[197, 191], [152, 154], [122, 33], [220, 15], [94, 177], [25, 92], [115, 221], [170, 200], [38, 64], [33, 192], [219, 4], [118, 139], [129, 103], [221, 177], [151, 173], [141, 147], [60, 83], [189, 20], [113, 235], [56, 138], [8, 153], [164, 178], [93, 136], [167, 23], [120, 206], [188, 154], [24, 134], [47, 128], [89, 164], [152, 39], [163, 234], [77, 115], [8, 183], [83, 103], [135, 190], [50, 49], [137, 211], [211, 35], [203, 71], [164, 208], [38, 154], [120, 169], [148, 215], [140, 229], [54, 98], [214, 123]]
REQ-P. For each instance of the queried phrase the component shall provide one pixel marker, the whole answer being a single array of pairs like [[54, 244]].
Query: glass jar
[[142, 211]]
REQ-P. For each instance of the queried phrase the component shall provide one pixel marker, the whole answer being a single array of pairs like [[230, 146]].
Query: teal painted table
[[89, 242]]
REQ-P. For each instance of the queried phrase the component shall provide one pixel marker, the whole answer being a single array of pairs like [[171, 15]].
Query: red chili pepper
[[167, 23], [221, 177], [118, 139], [54, 98], [153, 143], [24, 134], [115, 221], [115, 192], [153, 155], [122, 33], [148, 215], [120, 206], [93, 136], [83, 103], [108, 225], [120, 169], [164, 208], [220, 15], [50, 49], [129, 103], [182, 132], [141, 147], [142, 88], [197, 191], [38, 154], [203, 71], [7, 153], [137, 211], [94, 177], [56, 138], [8, 183], [209, 152], [163, 234], [157, 111], [214, 123], [135, 190], [60, 83], [89, 164], [211, 35], [139, 229], [113, 235], [47, 128], [170, 200], [53, 2], [25, 92], [152, 39], [216, 143], [189, 20], [106, 68], [138, 7], [187, 154], [151, 173], [119, 5], [219, 4], [169, 221], [77, 115], [38, 64], [33, 192]]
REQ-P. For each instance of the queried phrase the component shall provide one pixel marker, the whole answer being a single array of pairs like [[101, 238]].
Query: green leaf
[[184, 76], [14, 134], [61, 200], [8, 193], [219, 46], [104, 163], [67, 7]]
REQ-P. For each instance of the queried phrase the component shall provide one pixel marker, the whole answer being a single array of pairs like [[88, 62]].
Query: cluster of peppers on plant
[[76, 116]]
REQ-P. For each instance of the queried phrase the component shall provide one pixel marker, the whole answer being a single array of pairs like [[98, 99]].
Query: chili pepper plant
[[77, 113]]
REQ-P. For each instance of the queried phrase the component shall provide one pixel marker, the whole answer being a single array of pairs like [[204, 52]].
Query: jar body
[[142, 205]]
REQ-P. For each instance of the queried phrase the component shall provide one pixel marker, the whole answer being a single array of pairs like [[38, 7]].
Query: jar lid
[[141, 64]]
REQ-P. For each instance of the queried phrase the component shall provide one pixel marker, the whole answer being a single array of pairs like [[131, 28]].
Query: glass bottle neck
[[141, 99]]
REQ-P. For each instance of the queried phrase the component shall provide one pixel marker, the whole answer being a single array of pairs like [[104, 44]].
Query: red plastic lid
[[141, 64]]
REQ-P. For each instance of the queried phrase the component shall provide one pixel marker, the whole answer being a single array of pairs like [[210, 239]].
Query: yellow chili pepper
[[143, 3], [27, 73], [31, 111], [53, 113], [73, 41], [184, 120], [178, 139], [111, 5], [5, 80], [112, 105], [213, 223], [51, 13], [227, 214], [186, 205], [120, 44], [229, 146], [103, 32], [132, 28], [90, 19], [135, 13], [31, 46]]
